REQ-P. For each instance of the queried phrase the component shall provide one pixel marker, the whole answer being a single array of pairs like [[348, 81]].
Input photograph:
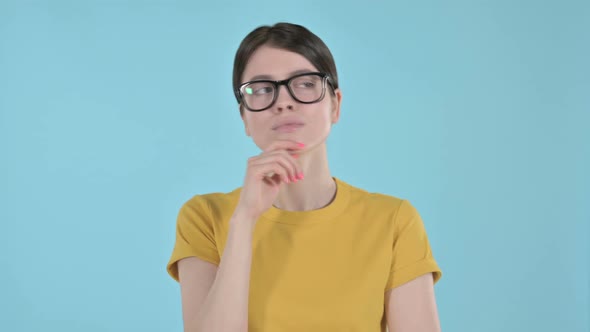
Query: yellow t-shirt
[[321, 270]]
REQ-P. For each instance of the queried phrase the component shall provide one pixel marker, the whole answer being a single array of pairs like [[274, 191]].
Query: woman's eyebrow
[[293, 73]]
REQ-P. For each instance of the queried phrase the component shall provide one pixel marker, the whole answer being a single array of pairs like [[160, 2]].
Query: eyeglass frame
[[277, 85]]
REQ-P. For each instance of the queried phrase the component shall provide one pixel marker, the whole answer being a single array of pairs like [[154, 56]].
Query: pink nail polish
[[300, 176], [301, 145]]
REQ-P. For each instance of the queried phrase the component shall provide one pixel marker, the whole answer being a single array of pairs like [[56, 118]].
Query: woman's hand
[[265, 174]]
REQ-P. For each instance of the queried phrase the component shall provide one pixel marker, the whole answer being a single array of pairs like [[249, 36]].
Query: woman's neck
[[316, 190]]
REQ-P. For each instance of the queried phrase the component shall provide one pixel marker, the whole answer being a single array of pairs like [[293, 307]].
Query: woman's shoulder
[[214, 201], [361, 194], [379, 200]]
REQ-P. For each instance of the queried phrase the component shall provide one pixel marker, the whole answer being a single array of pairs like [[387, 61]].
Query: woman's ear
[[336, 102]]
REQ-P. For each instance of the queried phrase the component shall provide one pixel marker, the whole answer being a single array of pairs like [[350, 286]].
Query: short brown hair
[[290, 37]]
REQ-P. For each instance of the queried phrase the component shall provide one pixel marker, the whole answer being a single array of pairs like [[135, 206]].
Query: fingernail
[[300, 176], [295, 156], [300, 145]]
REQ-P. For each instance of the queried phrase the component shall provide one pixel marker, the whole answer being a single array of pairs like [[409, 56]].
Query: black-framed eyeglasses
[[260, 95]]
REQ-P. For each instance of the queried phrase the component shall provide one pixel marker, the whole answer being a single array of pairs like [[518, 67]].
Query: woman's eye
[[258, 90], [263, 91], [306, 84]]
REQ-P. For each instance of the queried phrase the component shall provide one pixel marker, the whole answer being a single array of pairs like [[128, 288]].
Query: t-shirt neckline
[[330, 211]]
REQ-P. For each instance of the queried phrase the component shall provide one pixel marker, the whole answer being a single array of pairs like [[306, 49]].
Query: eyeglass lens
[[305, 88]]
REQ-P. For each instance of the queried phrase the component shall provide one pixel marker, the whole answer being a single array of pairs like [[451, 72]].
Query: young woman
[[294, 248]]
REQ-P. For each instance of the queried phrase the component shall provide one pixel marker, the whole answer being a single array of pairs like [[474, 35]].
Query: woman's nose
[[284, 99]]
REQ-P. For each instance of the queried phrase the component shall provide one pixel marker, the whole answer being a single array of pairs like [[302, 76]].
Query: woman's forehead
[[276, 64]]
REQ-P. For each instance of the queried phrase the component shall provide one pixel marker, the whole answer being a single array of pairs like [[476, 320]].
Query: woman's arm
[[411, 307], [221, 305], [216, 298]]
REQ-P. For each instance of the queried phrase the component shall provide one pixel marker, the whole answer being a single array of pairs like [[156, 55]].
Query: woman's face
[[316, 119]]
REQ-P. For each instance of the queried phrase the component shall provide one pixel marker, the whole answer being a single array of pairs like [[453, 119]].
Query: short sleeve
[[195, 235], [412, 255]]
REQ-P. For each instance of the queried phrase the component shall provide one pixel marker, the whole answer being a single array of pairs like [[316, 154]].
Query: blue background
[[113, 113]]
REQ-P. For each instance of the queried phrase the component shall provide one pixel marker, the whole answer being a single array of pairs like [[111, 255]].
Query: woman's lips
[[288, 128]]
